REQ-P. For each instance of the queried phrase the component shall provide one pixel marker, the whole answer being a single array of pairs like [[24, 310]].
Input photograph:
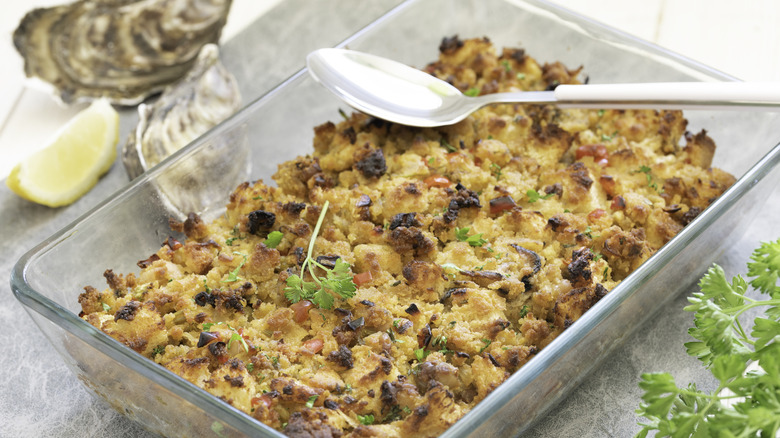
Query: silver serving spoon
[[396, 92]]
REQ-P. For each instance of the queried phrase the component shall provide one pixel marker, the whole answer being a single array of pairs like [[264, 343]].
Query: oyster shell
[[185, 110], [207, 95], [123, 50]]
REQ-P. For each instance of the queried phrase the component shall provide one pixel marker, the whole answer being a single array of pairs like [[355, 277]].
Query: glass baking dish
[[277, 127]]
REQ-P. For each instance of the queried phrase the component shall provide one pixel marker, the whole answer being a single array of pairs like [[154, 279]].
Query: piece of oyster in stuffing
[[123, 50]]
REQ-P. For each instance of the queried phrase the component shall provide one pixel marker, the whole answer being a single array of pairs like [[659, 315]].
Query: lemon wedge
[[70, 166]]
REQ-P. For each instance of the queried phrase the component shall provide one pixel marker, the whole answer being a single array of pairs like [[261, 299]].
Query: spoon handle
[[678, 95]]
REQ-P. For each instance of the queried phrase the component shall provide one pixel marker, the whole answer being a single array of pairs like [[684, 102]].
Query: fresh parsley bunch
[[338, 280], [746, 402]]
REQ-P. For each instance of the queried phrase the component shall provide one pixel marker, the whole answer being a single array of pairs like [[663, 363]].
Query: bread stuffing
[[393, 278]]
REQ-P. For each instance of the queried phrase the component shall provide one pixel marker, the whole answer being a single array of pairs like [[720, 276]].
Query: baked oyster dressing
[[443, 259]]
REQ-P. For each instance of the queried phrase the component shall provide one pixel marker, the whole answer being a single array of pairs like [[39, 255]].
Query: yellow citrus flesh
[[70, 166]]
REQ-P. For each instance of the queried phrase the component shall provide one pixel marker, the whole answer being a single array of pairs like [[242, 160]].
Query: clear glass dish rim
[[67, 320]]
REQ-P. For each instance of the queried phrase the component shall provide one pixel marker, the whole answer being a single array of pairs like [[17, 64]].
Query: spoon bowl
[[398, 93]]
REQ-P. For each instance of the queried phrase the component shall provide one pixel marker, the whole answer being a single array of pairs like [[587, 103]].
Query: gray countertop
[[40, 398]]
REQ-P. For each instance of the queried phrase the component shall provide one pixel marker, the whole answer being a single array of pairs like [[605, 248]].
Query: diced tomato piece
[[437, 181], [596, 214], [597, 151], [362, 278], [301, 309], [262, 400], [313, 346], [618, 203]]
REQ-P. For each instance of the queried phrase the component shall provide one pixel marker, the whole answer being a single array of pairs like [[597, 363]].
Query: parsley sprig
[[534, 196], [233, 275], [475, 240], [337, 280], [746, 402], [648, 176]]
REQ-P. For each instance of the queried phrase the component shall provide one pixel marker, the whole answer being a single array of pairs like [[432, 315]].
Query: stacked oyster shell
[[207, 95], [123, 50]]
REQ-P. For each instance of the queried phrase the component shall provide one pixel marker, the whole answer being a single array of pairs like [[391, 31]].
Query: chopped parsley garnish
[[393, 415], [474, 240], [605, 137], [487, 343], [648, 175], [589, 232], [521, 76], [441, 343], [236, 236], [534, 196], [310, 402], [446, 145], [235, 336], [507, 66], [160, 349], [495, 169], [392, 337], [233, 276], [273, 239], [337, 280], [472, 92], [524, 311], [367, 419], [420, 354]]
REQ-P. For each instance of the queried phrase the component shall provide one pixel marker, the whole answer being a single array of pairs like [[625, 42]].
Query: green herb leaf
[[310, 402], [474, 240], [472, 92], [273, 239], [446, 145], [367, 419], [534, 196], [237, 337], [337, 280], [507, 66], [487, 343], [524, 311], [725, 348], [106, 307], [495, 169], [233, 276]]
